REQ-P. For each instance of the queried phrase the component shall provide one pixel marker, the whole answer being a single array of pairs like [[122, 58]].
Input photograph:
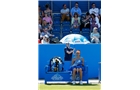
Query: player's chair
[[64, 75]]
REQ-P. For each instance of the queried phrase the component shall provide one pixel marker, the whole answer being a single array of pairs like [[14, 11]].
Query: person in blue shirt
[[68, 52], [76, 9]]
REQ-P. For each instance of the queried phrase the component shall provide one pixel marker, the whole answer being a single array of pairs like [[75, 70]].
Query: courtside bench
[[63, 76]]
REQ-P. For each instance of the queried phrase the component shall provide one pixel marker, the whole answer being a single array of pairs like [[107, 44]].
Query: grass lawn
[[69, 87]]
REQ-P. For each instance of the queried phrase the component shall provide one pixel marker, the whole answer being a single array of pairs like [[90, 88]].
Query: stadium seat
[[56, 15], [56, 23], [66, 27], [56, 19], [65, 33], [56, 35], [56, 30], [57, 26], [85, 30], [76, 31], [66, 30], [87, 35], [65, 23]]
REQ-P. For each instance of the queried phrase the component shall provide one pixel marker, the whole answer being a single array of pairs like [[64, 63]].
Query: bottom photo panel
[[69, 66]]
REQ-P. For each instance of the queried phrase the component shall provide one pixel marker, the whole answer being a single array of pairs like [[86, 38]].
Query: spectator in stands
[[46, 25], [48, 20], [94, 22], [65, 13], [94, 10], [95, 36], [48, 11], [41, 14], [85, 21], [75, 21], [46, 32], [40, 24], [76, 9], [45, 40]]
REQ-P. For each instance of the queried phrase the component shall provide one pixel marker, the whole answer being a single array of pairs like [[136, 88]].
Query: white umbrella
[[75, 39]]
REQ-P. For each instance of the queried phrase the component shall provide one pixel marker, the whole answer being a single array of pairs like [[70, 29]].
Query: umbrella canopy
[[75, 39]]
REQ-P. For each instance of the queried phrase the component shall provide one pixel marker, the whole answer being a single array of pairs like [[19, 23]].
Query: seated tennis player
[[77, 66]]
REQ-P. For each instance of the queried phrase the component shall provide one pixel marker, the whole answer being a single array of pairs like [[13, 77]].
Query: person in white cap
[[95, 36], [45, 39]]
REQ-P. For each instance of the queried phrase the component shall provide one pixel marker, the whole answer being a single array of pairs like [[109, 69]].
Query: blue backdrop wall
[[90, 52]]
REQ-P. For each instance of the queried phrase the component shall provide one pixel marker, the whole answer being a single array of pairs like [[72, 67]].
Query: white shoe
[[73, 82], [81, 82]]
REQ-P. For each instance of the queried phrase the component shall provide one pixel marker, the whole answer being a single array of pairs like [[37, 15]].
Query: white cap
[[46, 36]]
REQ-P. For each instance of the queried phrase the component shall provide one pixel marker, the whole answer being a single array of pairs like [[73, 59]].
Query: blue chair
[[85, 30], [56, 15], [66, 30], [88, 37], [56, 23], [56, 30], [66, 27], [56, 26], [65, 33], [56, 34], [65, 23], [76, 31], [56, 19]]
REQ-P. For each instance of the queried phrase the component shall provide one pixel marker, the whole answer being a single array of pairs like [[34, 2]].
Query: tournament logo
[[57, 77]]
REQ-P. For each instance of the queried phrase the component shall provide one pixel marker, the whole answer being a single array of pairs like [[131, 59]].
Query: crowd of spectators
[[91, 20]]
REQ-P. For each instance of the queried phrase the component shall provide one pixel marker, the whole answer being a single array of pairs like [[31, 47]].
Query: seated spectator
[[48, 20], [48, 11], [65, 13], [85, 21], [40, 24], [75, 21], [76, 9], [94, 22], [94, 10], [46, 25], [45, 40], [95, 36], [41, 14]]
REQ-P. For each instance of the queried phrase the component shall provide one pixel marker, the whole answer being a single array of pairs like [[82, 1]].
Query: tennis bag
[[56, 64]]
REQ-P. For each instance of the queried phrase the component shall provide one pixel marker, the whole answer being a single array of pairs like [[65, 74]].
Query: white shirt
[[65, 11], [94, 11], [44, 42], [97, 22]]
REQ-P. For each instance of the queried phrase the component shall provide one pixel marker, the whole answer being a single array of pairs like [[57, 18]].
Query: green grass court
[[69, 87]]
